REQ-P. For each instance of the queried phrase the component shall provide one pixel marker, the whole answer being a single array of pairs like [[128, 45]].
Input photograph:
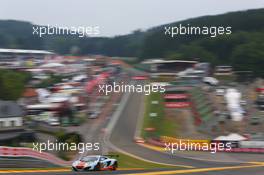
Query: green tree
[[249, 56], [12, 84]]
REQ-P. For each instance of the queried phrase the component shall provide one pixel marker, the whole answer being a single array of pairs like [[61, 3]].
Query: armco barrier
[[29, 152]]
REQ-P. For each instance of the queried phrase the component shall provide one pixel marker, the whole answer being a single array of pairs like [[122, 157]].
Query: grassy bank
[[159, 125], [125, 161]]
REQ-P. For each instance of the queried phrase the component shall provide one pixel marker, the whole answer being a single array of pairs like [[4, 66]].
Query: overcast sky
[[116, 17]]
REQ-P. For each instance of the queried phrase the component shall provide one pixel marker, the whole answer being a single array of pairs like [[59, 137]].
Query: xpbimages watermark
[[184, 145], [80, 31], [64, 146], [147, 89], [212, 31]]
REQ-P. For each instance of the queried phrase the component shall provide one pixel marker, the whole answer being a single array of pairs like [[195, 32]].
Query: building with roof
[[11, 116], [17, 57], [5, 53], [12, 130], [11, 122], [167, 67]]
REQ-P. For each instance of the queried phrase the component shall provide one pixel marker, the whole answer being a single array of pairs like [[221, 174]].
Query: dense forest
[[244, 48]]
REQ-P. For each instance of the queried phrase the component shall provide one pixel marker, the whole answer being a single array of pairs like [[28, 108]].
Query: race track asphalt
[[122, 137], [123, 134]]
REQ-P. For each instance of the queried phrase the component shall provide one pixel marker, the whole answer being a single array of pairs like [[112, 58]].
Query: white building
[[11, 116]]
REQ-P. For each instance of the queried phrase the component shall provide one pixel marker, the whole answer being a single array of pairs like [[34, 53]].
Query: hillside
[[243, 48]]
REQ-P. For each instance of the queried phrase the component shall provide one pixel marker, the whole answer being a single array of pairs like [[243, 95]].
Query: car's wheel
[[115, 166], [97, 167], [74, 169]]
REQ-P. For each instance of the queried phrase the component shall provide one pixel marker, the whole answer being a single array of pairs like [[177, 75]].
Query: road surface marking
[[52, 170], [257, 163], [200, 170], [35, 171]]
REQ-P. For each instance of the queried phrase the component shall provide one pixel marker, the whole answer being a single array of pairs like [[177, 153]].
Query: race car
[[95, 163]]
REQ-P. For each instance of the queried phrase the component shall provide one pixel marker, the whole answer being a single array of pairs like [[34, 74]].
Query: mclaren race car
[[95, 163]]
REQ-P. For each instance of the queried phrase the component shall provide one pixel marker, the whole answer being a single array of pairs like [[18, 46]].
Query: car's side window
[[102, 158]]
